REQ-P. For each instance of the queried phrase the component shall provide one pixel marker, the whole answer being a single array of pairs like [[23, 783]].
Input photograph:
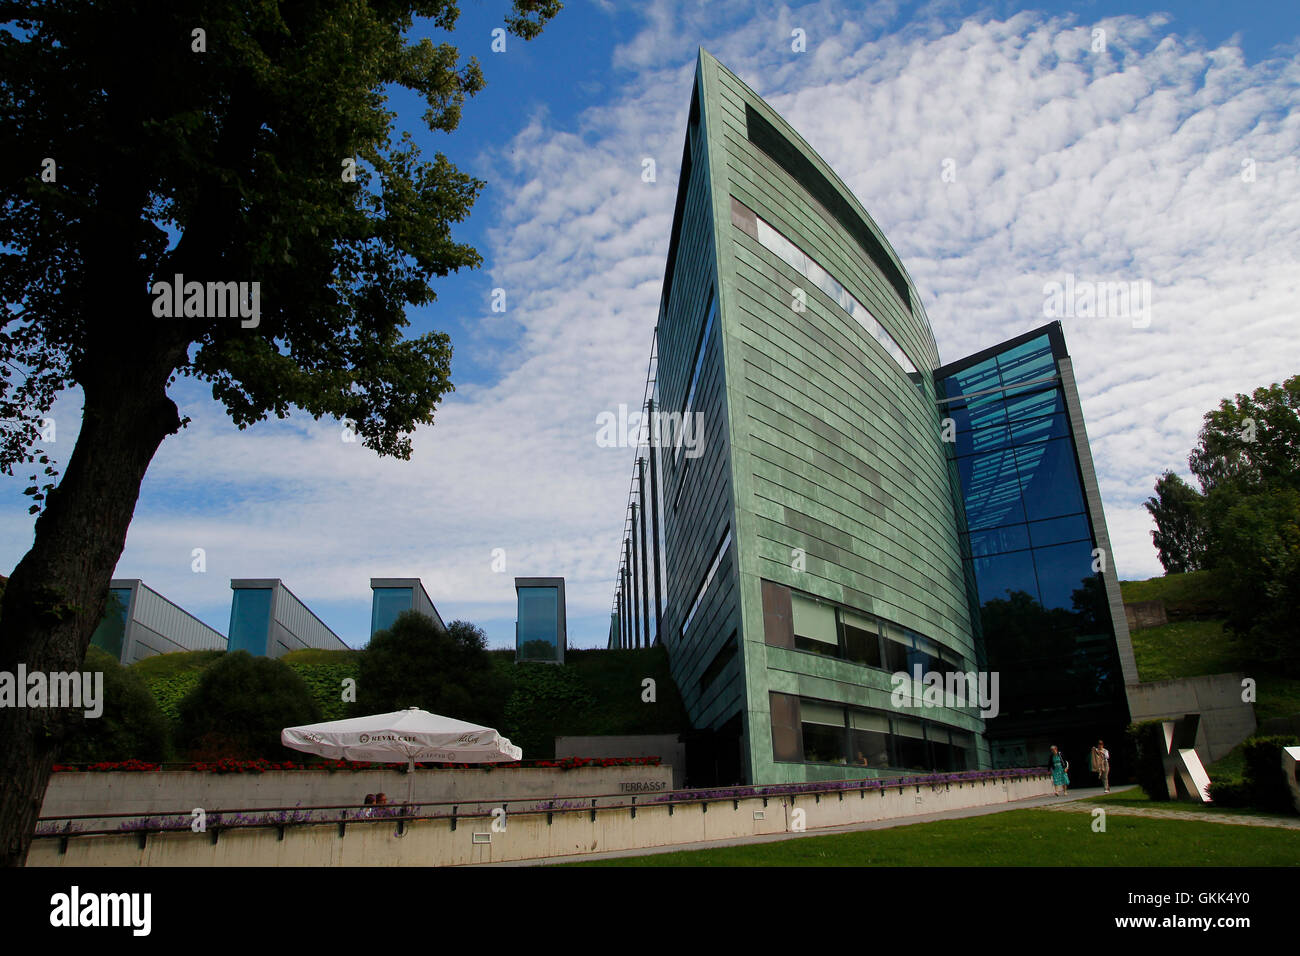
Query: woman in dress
[[1060, 775]]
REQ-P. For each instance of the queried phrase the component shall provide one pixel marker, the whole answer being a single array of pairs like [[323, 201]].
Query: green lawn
[[1012, 838], [1184, 594]]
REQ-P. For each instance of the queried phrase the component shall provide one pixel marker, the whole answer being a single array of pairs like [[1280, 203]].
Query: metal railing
[[216, 820]]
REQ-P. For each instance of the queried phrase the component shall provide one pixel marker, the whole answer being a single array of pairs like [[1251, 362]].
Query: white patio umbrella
[[411, 734]]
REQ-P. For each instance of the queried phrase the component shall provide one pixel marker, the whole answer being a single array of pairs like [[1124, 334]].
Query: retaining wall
[[533, 836]]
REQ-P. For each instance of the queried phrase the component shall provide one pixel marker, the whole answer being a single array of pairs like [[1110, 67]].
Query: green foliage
[[1248, 514], [131, 725], [170, 677], [416, 664], [228, 164], [170, 691], [1257, 558], [239, 707], [596, 692], [1252, 441], [1180, 526], [545, 697], [1192, 595], [1186, 649], [1230, 792], [1148, 739], [325, 682], [182, 662], [1265, 782]]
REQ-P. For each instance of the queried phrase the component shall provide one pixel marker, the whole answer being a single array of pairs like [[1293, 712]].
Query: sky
[[995, 147]]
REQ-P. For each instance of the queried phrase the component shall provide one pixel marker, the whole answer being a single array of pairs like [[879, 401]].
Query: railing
[[402, 814]]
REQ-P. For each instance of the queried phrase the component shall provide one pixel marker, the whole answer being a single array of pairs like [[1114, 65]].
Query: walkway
[[1034, 803], [1164, 813]]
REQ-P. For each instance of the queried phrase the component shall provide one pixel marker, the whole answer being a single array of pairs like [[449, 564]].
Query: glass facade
[[386, 605], [250, 620], [111, 632], [537, 631], [1039, 597]]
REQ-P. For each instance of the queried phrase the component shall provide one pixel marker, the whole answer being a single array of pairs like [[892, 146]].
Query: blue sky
[[1119, 166]]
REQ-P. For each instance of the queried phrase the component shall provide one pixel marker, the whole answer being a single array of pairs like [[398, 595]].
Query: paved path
[[1048, 802], [1163, 813]]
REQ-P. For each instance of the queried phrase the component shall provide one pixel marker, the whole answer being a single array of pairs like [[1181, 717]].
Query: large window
[[814, 627], [538, 637], [821, 627], [386, 605], [816, 731], [250, 620], [111, 632], [823, 732]]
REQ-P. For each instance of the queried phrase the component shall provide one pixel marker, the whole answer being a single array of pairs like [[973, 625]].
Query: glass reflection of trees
[[1051, 658]]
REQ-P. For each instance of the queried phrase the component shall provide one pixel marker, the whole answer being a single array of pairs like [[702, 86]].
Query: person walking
[[1060, 768], [1101, 764]]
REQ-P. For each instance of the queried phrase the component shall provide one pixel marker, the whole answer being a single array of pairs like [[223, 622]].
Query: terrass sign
[[642, 786]]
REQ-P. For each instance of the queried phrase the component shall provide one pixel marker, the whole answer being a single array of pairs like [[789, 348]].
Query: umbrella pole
[[410, 781]]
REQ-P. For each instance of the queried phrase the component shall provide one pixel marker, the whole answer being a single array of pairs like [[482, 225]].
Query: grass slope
[[1013, 838]]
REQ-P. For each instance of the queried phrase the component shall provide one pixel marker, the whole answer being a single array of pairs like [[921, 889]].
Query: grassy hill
[[1195, 643]]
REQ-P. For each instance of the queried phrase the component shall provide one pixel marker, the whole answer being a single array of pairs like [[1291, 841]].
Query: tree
[[1252, 441], [1257, 563], [417, 664], [1177, 510], [1245, 524], [224, 142], [240, 705]]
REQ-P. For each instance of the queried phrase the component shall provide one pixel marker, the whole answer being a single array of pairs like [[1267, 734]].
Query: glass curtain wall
[[1028, 540]]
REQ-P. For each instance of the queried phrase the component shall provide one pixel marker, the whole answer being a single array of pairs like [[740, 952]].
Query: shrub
[[131, 725], [325, 682], [416, 664], [1264, 777], [240, 705], [1231, 793]]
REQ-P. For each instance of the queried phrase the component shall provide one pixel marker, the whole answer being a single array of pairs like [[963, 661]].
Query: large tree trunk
[[56, 595]]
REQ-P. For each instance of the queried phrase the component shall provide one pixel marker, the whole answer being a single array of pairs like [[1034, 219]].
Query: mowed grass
[[1012, 838], [1185, 649]]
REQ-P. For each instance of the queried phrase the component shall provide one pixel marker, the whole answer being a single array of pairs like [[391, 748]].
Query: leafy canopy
[[128, 155], [415, 663]]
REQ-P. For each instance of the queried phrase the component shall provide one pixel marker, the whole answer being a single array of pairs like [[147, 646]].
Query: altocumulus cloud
[[1119, 165]]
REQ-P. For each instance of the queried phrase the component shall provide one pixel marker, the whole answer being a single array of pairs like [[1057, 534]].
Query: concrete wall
[[1142, 614], [561, 833], [76, 794], [667, 747], [1225, 719]]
